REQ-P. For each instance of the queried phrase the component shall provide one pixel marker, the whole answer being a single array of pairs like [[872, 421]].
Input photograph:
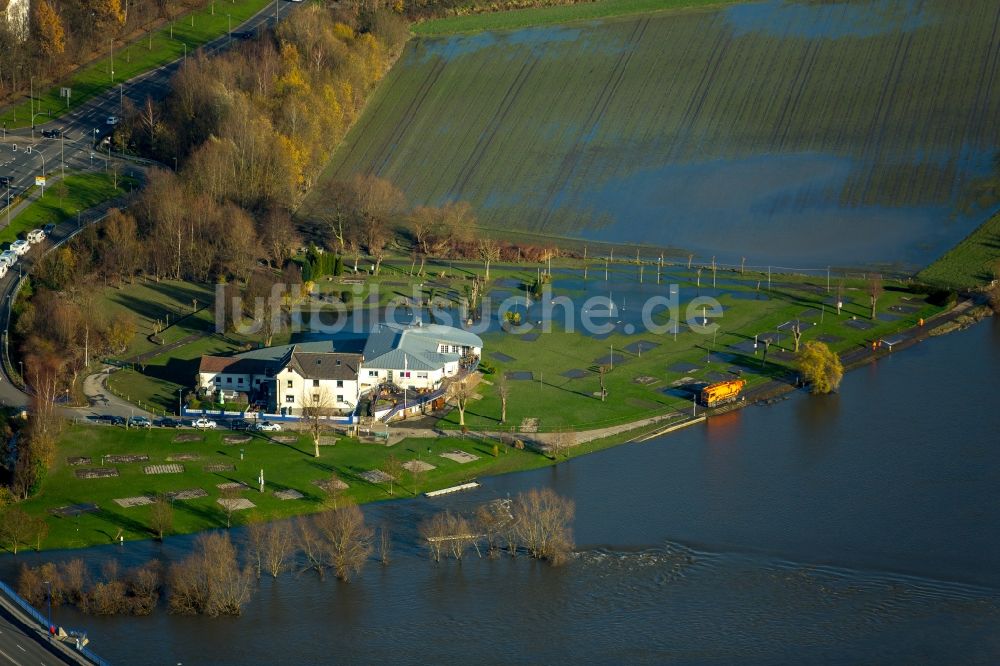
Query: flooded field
[[787, 132]]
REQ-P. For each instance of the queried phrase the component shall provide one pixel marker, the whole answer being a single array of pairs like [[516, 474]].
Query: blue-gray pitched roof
[[414, 347]]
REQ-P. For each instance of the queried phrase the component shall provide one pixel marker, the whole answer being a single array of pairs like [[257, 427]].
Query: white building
[[283, 379], [417, 356]]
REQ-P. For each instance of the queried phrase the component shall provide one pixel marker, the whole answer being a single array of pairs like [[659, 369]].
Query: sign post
[[66, 92]]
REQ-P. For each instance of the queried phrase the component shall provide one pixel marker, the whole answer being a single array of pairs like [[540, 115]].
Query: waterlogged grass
[[286, 465], [194, 30], [971, 263], [807, 132], [62, 200], [536, 16]]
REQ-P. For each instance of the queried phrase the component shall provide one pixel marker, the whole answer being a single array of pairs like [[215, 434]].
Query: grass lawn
[[194, 29], [971, 263], [286, 465], [63, 200], [582, 11], [642, 382]]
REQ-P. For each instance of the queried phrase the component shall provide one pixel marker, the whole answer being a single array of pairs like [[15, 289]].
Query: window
[[421, 375], [289, 383], [289, 398], [338, 361], [239, 380], [315, 397], [373, 373], [315, 382], [269, 372], [229, 380], [218, 380], [340, 397], [340, 383], [257, 381]]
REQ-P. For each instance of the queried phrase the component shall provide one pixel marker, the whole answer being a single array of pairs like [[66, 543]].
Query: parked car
[[113, 120], [168, 422], [48, 229], [203, 423], [118, 420], [52, 133], [35, 236], [4, 181], [8, 257], [20, 247], [267, 426], [140, 422]]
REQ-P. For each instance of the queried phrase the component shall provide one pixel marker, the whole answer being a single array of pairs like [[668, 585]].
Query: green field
[[143, 55], [286, 465], [971, 263], [62, 201], [536, 16], [797, 132]]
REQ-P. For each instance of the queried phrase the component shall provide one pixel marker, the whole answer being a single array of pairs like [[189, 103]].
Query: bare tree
[[161, 517], [602, 371], [346, 539], [460, 392], [503, 390], [489, 251], [317, 408], [210, 580], [560, 442], [228, 500], [543, 524], [875, 290], [270, 545], [797, 335], [393, 468]]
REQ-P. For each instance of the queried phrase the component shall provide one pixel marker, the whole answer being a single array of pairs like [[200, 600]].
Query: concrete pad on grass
[[330, 485], [503, 358], [97, 473], [188, 494], [683, 368], [74, 510], [829, 339], [289, 494], [417, 466], [608, 359], [129, 502], [236, 503], [163, 469], [640, 346], [461, 457], [859, 324], [519, 375], [575, 373], [376, 476], [79, 460], [221, 467], [232, 485]]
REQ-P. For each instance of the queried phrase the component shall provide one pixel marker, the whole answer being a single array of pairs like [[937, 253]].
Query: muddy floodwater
[[856, 528], [789, 132]]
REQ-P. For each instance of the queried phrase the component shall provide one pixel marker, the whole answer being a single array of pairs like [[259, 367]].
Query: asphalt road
[[17, 647], [26, 153]]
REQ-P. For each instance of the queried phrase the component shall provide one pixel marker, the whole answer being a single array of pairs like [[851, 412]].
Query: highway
[[26, 153], [18, 647]]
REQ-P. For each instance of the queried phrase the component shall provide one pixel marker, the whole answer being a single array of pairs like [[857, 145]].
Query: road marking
[[9, 658]]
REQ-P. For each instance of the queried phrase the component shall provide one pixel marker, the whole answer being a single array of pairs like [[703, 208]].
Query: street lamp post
[[179, 410], [50, 631], [112, 42]]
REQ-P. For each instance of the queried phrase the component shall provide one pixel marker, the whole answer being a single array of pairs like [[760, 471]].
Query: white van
[[35, 236], [3, 268], [8, 258], [20, 247]]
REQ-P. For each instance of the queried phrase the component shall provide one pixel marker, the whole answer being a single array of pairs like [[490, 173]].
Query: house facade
[[290, 378], [415, 356]]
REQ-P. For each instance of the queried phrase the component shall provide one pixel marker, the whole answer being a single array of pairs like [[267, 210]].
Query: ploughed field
[[801, 133]]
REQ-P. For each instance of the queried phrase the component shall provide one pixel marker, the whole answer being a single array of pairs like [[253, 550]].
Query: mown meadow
[[796, 132]]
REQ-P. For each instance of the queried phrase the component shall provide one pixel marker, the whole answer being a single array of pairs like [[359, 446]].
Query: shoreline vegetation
[[529, 17]]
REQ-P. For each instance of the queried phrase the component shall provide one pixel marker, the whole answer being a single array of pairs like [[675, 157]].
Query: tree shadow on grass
[[121, 521]]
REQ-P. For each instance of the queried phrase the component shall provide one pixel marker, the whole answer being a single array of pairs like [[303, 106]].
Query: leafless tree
[[317, 408], [561, 442], [602, 371], [503, 391], [460, 392], [875, 290], [489, 251], [161, 518], [210, 580], [543, 524], [393, 468], [346, 539], [797, 335]]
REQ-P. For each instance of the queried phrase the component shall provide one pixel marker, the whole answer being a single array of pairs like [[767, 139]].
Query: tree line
[[64, 34]]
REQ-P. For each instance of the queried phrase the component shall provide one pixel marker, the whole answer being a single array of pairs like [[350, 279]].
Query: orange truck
[[721, 393]]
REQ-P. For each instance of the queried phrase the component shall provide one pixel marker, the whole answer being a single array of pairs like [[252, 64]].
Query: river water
[[857, 528]]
